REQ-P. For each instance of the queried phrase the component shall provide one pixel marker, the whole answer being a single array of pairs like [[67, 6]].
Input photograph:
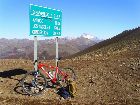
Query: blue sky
[[101, 18]]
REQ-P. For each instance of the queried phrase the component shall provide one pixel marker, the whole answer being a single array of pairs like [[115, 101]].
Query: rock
[[138, 85], [1, 80], [121, 65], [1, 92]]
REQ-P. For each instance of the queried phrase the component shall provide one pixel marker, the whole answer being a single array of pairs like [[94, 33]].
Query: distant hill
[[23, 48], [124, 39]]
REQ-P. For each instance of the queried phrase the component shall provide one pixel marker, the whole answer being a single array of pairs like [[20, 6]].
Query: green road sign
[[45, 21]]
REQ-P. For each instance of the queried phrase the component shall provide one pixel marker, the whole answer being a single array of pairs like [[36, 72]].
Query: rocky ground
[[111, 79]]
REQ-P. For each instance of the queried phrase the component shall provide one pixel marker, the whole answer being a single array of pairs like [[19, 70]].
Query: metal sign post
[[45, 22], [56, 51], [35, 53]]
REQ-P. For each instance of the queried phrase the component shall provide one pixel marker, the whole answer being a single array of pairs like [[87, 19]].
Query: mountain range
[[23, 48]]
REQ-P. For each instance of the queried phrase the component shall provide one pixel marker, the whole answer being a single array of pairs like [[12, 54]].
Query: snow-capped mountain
[[84, 35], [91, 37], [88, 36]]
